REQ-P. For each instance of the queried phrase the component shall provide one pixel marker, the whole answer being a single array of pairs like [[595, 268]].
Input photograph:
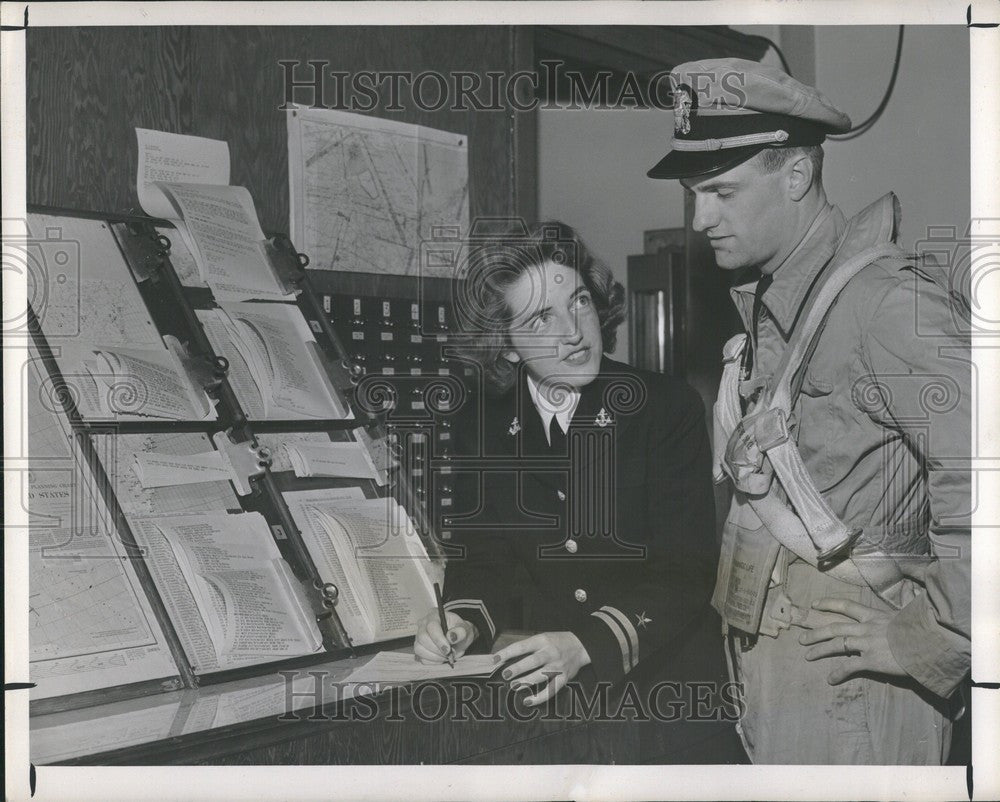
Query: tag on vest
[[748, 555]]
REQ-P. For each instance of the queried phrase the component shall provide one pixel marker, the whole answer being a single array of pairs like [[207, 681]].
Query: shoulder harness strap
[[761, 446]]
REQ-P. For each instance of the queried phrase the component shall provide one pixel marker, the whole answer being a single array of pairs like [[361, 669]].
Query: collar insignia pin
[[641, 619], [514, 428], [603, 418]]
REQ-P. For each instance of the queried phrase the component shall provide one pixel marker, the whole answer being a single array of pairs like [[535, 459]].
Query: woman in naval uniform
[[589, 476]]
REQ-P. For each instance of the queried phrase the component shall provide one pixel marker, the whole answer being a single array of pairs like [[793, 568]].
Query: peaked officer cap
[[728, 109]]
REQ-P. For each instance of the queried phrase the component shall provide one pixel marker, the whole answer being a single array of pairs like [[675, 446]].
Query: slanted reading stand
[[246, 557]]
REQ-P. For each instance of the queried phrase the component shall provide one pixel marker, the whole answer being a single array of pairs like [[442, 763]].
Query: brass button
[[571, 547], [580, 595]]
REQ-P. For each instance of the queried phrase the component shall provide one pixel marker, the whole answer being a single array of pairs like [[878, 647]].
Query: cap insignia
[[682, 110]]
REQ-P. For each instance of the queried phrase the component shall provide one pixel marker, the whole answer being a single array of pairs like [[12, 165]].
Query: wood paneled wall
[[89, 88]]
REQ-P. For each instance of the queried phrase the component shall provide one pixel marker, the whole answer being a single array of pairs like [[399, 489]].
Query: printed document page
[[176, 158], [274, 364], [369, 549], [169, 470], [234, 596], [279, 445], [89, 295], [348, 460], [251, 396], [394, 668], [282, 445], [90, 623], [118, 453], [185, 179], [132, 383], [90, 303], [227, 240]]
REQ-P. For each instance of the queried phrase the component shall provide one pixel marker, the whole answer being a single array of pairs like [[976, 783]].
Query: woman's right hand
[[431, 645]]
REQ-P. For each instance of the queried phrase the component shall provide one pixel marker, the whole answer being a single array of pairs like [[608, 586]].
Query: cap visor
[[689, 163]]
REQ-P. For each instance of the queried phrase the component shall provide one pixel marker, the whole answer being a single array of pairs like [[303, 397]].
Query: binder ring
[[303, 260], [331, 593], [164, 242]]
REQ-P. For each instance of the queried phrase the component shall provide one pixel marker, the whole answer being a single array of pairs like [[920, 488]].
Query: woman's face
[[554, 326]]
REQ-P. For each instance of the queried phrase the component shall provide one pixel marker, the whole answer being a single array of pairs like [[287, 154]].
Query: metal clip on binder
[[328, 618], [207, 371], [244, 461], [288, 266], [144, 248]]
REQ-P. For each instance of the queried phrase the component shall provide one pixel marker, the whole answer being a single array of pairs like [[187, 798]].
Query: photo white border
[[527, 782]]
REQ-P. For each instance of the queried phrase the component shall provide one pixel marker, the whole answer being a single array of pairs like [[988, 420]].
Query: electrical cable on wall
[[864, 127]]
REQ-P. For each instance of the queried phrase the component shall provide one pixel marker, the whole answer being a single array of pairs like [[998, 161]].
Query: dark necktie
[[557, 437], [756, 314]]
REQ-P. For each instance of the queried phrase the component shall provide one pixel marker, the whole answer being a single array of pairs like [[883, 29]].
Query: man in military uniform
[[842, 426]]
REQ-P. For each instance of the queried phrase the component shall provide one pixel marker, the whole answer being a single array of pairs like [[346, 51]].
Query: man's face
[[554, 329], [745, 213]]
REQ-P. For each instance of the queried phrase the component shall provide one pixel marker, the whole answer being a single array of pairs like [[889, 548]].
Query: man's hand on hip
[[862, 638]]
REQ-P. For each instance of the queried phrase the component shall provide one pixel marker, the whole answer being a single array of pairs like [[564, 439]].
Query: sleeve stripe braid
[[619, 634], [473, 604], [633, 636]]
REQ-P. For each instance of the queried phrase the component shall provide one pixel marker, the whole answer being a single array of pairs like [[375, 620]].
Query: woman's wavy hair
[[494, 265]]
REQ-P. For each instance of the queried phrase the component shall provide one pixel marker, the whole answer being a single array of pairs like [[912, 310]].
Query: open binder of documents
[[153, 384], [185, 179], [371, 551], [274, 364], [164, 553], [232, 597]]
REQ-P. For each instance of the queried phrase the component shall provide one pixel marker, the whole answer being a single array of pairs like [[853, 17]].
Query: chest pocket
[[817, 429], [816, 385]]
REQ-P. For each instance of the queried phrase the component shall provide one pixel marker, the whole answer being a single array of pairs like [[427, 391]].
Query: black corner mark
[[31, 778], [968, 780], [970, 24], [17, 27], [17, 686]]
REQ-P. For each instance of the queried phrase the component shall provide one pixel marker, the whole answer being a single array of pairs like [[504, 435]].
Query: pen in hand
[[444, 623]]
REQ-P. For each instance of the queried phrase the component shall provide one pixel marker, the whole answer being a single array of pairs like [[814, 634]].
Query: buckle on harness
[[770, 429], [748, 443], [827, 559]]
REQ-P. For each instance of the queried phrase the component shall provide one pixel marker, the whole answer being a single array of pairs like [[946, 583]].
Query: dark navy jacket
[[616, 534]]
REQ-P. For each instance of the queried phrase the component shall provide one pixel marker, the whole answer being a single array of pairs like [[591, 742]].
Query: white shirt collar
[[563, 411]]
